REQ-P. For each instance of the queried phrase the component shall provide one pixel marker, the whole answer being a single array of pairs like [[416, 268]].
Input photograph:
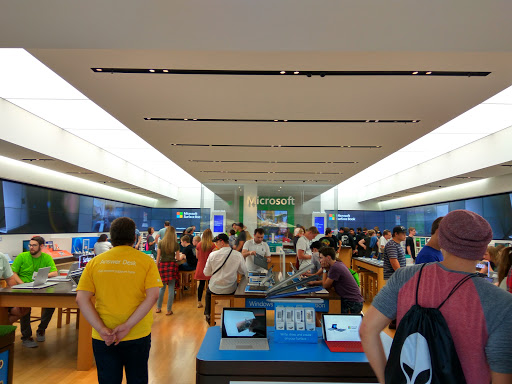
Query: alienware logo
[[415, 360]]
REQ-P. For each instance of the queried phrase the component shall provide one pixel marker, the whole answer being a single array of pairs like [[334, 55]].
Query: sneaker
[[40, 336], [199, 304], [29, 343]]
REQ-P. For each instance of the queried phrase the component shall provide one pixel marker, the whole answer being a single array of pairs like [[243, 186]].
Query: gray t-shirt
[[392, 250], [304, 244], [478, 315]]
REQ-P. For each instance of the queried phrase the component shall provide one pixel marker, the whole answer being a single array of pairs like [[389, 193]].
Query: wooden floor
[[176, 340]]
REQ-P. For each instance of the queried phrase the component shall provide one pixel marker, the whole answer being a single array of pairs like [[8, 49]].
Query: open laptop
[[72, 267], [39, 281], [244, 329], [75, 278], [341, 332]]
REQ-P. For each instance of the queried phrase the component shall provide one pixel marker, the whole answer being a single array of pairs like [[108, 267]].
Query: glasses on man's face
[[33, 245]]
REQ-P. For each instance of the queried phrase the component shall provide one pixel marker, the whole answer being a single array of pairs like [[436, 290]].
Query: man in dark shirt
[[240, 238], [409, 243], [191, 263], [346, 239], [328, 240], [361, 234], [432, 251], [337, 275]]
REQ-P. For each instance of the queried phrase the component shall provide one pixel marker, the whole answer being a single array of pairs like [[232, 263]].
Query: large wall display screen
[[180, 218], [30, 209], [273, 222]]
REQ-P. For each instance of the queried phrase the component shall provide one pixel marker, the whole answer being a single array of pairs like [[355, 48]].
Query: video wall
[[496, 209], [30, 209]]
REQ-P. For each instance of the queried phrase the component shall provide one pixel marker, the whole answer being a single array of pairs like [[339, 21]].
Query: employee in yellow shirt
[[125, 283]]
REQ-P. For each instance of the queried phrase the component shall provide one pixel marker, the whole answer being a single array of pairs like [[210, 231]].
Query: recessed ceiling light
[[285, 120], [282, 72], [276, 120], [429, 72], [415, 73], [166, 70], [194, 119], [185, 119], [152, 70], [99, 69], [296, 72]]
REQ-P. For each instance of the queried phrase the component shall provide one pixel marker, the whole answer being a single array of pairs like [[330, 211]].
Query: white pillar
[[250, 207]]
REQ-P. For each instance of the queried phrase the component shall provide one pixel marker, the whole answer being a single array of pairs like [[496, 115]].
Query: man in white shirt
[[11, 279], [386, 235], [223, 266], [304, 244], [255, 246]]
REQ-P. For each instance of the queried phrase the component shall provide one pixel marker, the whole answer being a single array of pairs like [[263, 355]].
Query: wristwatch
[[325, 270]]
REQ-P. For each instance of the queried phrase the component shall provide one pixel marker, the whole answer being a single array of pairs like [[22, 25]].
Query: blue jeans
[[186, 267], [170, 297], [131, 355]]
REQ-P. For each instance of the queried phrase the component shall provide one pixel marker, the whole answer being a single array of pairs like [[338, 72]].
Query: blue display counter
[[283, 362]]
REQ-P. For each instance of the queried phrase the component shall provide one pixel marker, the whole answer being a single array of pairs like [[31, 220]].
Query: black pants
[[208, 301], [131, 355], [351, 307], [200, 289], [26, 329]]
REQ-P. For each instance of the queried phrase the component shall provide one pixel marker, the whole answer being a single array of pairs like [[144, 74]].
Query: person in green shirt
[[23, 267]]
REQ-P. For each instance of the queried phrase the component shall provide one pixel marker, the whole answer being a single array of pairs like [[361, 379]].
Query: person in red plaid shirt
[[167, 261]]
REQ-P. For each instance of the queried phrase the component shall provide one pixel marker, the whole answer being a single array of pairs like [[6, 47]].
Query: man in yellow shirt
[[125, 283]]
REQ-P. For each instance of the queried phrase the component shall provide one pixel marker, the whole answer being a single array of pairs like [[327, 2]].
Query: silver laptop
[[72, 267], [244, 329], [39, 281]]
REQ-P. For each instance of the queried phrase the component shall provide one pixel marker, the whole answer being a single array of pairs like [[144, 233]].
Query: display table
[[57, 296], [283, 362], [359, 263], [241, 296]]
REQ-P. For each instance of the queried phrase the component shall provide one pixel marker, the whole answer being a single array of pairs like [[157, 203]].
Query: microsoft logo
[[179, 215], [331, 216]]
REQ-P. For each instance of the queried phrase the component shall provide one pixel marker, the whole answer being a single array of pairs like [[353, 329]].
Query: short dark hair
[[359, 229], [103, 238], [365, 229], [345, 229], [386, 232], [316, 244], [167, 223], [328, 251], [185, 238], [39, 239], [232, 232], [351, 229], [260, 231], [435, 225], [328, 230], [122, 231]]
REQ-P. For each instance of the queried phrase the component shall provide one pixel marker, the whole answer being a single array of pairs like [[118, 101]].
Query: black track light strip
[[234, 72], [281, 120], [278, 180], [273, 162], [276, 173], [278, 146]]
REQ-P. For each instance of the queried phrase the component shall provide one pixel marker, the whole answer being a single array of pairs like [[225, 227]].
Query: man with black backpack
[[453, 325]]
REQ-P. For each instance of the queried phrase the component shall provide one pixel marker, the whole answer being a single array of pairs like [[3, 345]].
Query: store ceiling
[[298, 156]]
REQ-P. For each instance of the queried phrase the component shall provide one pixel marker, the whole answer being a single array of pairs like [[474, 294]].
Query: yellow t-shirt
[[119, 279]]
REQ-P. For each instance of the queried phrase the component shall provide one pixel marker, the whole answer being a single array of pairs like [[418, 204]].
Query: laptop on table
[[341, 332], [39, 281], [244, 329], [72, 267]]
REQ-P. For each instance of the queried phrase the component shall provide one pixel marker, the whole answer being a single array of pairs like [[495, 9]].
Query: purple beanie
[[465, 234]]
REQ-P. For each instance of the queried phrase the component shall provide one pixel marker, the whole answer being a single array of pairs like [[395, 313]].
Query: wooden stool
[[187, 280], [372, 278], [68, 312], [363, 279], [218, 303]]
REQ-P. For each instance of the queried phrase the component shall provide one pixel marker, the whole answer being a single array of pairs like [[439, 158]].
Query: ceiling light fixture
[[415, 72], [341, 121], [152, 70], [296, 72], [282, 72]]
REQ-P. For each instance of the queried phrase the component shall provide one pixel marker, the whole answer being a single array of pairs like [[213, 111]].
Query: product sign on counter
[[322, 306]]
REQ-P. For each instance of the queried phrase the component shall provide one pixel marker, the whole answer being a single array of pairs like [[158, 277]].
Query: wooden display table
[[57, 296], [359, 264]]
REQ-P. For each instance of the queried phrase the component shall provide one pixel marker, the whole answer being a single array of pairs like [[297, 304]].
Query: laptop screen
[[341, 327], [244, 322], [84, 259]]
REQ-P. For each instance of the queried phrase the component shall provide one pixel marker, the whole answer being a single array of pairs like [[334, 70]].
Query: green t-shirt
[[25, 265]]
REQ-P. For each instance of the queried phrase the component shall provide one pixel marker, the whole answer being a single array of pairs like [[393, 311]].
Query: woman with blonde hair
[[203, 250], [166, 260], [490, 257]]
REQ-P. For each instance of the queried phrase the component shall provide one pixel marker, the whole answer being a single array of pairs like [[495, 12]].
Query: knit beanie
[[464, 234]]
